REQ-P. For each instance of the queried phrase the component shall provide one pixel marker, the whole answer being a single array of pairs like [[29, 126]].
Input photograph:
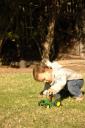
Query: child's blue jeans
[[72, 88]]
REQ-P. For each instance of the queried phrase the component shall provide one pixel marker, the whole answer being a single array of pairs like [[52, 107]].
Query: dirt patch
[[78, 65], [14, 70]]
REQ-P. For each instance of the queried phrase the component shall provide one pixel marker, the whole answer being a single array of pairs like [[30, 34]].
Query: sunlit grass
[[19, 105]]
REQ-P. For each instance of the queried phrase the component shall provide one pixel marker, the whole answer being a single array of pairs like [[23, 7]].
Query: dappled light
[[57, 24]]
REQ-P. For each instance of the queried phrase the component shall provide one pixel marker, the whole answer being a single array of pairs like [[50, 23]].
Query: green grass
[[19, 105]]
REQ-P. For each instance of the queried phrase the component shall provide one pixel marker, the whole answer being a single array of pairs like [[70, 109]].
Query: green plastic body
[[47, 103]]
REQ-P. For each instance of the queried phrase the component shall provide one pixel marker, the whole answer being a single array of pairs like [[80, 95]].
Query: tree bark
[[49, 40], [50, 36]]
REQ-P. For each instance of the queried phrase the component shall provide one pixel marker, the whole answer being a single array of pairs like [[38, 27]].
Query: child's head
[[42, 73]]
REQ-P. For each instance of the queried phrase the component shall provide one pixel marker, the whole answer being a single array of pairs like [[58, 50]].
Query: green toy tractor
[[48, 104]]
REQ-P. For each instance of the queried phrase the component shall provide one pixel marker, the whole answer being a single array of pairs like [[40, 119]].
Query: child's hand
[[48, 94], [51, 91]]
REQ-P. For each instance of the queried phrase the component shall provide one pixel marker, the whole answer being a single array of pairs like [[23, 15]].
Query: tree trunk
[[49, 40], [50, 36]]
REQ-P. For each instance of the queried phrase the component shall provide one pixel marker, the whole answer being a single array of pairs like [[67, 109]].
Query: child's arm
[[57, 86]]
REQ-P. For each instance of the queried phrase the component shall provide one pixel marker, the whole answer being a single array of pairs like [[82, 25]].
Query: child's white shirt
[[60, 76]]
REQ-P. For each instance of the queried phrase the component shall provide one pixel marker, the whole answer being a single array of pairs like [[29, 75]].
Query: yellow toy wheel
[[58, 103]]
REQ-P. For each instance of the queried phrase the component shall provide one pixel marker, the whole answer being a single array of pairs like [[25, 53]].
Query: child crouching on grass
[[59, 80]]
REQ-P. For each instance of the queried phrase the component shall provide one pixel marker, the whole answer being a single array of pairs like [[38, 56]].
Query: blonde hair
[[38, 69]]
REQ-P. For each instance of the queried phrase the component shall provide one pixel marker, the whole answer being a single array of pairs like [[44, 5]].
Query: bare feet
[[79, 98]]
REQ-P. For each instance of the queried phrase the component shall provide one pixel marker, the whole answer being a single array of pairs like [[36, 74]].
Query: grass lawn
[[19, 105]]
